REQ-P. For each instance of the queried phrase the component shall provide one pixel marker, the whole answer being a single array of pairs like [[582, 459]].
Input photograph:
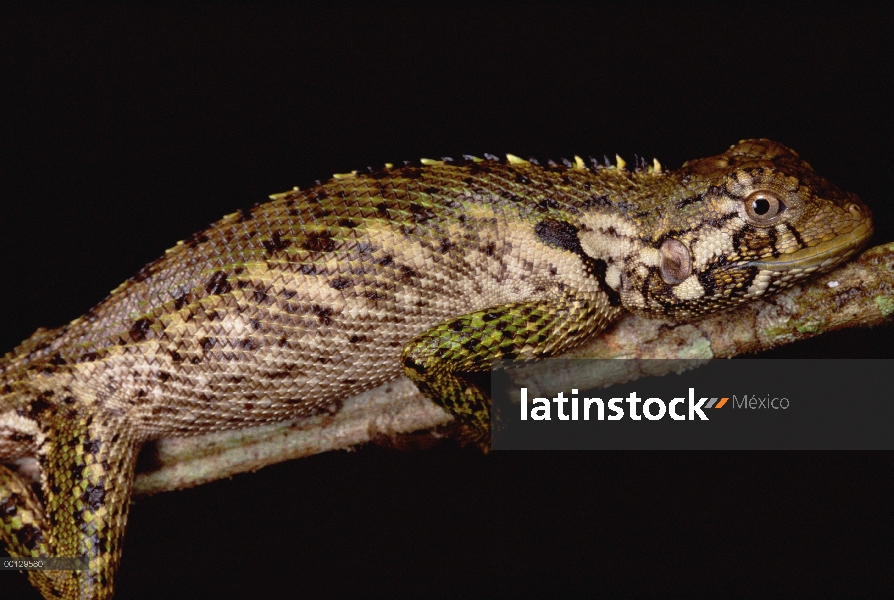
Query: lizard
[[429, 270]]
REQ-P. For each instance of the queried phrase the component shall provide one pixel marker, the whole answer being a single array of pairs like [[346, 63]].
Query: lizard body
[[283, 310]]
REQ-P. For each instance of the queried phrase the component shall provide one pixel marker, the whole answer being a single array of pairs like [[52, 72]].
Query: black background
[[126, 128]]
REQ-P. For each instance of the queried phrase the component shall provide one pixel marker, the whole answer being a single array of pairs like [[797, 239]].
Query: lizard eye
[[763, 206]]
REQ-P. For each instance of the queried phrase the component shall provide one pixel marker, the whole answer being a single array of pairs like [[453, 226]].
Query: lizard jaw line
[[831, 252]]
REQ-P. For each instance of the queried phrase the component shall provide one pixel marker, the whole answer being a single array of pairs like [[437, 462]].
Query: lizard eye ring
[[763, 206]]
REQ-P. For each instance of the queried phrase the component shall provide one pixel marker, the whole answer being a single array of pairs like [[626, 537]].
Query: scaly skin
[[278, 312]]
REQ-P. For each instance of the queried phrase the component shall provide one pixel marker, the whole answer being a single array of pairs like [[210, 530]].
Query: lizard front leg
[[87, 467], [472, 342]]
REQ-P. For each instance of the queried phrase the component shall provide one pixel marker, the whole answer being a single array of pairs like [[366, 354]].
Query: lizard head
[[748, 222]]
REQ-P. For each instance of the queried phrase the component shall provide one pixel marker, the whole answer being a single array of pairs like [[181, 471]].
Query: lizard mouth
[[822, 255]]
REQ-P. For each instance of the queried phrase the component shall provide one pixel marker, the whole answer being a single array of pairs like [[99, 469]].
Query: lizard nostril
[[855, 211]]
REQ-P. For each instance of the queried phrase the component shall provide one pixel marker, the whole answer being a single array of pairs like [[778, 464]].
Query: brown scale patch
[[319, 242], [340, 283], [88, 357], [407, 275], [218, 284], [312, 269], [323, 313], [196, 239], [421, 214], [374, 295], [140, 330], [276, 243]]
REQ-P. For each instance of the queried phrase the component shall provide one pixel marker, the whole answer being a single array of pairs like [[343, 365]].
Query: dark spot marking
[[9, 506], [181, 300], [595, 201], [420, 213], [322, 313], [218, 284], [407, 274], [546, 204], [795, 235], [207, 343], [386, 261], [276, 243], [92, 446], [175, 356], [717, 222], [348, 223], [196, 239], [687, 201], [354, 339], [489, 249], [339, 283], [558, 234], [446, 245], [771, 234], [409, 363], [706, 279], [740, 235], [31, 537], [164, 375], [260, 296], [94, 496], [139, 330], [597, 268], [319, 242]]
